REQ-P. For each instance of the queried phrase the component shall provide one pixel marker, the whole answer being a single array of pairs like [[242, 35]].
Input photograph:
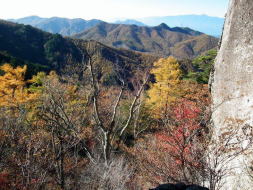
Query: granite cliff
[[232, 93]]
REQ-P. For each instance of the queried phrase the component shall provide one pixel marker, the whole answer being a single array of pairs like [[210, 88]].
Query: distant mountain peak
[[33, 16], [207, 24], [164, 26], [63, 26], [130, 22], [160, 40]]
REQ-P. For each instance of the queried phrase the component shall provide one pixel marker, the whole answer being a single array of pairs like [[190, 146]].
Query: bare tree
[[110, 130], [113, 175], [63, 120], [20, 147]]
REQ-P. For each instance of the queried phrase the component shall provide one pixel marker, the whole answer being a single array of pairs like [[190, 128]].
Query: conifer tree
[[12, 86], [166, 89]]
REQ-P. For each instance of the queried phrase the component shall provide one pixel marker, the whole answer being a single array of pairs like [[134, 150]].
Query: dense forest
[[110, 126]]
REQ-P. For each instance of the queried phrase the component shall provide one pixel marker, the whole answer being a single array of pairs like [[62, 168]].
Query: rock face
[[232, 92]]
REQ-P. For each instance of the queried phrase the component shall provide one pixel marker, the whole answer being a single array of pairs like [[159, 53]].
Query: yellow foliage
[[12, 86], [165, 90]]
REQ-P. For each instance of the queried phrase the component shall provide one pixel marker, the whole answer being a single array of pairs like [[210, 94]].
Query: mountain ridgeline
[[206, 24], [160, 40], [42, 51], [203, 23], [63, 26], [111, 47], [130, 22]]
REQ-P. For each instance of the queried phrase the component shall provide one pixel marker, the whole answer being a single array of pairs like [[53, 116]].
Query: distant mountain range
[[130, 22], [203, 23], [63, 26], [42, 51], [160, 40]]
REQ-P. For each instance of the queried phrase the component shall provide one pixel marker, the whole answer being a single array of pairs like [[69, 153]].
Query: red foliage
[[4, 181], [178, 140], [90, 143], [186, 110]]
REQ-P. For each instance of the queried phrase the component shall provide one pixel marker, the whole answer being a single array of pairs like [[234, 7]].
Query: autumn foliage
[[165, 89], [176, 154], [50, 135], [13, 89], [4, 181], [177, 140]]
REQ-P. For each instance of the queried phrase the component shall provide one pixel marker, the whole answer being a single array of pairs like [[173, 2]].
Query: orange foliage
[[12, 86]]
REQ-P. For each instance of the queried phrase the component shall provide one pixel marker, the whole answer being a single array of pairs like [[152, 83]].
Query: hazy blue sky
[[110, 9]]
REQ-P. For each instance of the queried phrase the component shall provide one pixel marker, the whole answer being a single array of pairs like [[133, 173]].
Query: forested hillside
[[160, 40], [41, 51]]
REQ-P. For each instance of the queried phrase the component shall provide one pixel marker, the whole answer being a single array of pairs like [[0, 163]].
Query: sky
[[110, 10]]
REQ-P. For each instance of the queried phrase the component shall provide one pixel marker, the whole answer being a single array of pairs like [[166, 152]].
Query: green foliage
[[37, 82], [110, 79], [58, 49], [32, 68], [202, 66], [40, 51], [52, 45]]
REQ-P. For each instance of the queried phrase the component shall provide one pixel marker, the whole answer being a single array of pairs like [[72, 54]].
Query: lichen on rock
[[232, 91]]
